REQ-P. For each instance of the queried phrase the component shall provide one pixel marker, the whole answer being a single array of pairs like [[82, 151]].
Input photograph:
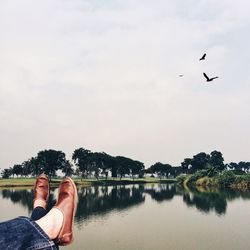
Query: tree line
[[85, 163]]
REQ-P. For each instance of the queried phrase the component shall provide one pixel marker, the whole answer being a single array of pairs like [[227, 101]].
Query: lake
[[150, 216]]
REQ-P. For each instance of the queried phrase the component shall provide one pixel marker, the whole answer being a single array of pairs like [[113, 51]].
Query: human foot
[[66, 204], [41, 191]]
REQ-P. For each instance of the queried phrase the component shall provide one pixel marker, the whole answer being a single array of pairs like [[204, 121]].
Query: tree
[[50, 161], [124, 165], [27, 168], [17, 169], [216, 160], [137, 168], [67, 168], [244, 166], [186, 165], [160, 169], [101, 162], [34, 166], [81, 158], [6, 173], [200, 161], [174, 171], [232, 165]]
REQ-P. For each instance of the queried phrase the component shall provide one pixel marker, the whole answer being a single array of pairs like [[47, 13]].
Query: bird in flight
[[203, 57], [209, 79]]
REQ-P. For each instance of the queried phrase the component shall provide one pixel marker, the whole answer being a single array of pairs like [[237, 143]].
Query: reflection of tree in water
[[98, 201], [161, 193], [206, 202], [23, 197], [102, 200], [215, 200]]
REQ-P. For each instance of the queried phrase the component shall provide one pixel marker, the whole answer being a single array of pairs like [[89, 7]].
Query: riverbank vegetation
[[224, 179], [85, 164], [97, 168], [30, 182]]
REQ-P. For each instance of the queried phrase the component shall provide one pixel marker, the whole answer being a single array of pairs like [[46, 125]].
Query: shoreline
[[30, 182]]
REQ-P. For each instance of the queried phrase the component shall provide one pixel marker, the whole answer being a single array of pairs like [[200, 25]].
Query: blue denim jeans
[[24, 233]]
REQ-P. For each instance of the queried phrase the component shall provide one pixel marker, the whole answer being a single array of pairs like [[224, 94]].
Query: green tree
[[27, 168], [6, 173], [162, 170], [186, 165], [136, 168], [82, 159], [36, 169], [124, 165], [67, 168], [175, 171], [244, 166], [216, 160], [17, 169], [200, 161], [50, 161]]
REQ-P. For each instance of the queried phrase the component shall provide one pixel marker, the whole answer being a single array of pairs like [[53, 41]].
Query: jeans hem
[[48, 242]]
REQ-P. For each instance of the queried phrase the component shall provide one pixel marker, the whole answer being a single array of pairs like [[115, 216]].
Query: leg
[[23, 233], [58, 223], [41, 195], [38, 213], [56, 226]]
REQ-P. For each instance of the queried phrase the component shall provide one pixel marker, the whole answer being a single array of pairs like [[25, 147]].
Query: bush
[[238, 172], [226, 178], [206, 182], [180, 179], [197, 175]]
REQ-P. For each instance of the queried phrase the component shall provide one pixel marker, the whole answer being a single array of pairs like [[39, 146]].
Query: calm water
[[149, 216]]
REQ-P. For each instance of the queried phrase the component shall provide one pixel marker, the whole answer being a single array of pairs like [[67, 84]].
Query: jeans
[[24, 233]]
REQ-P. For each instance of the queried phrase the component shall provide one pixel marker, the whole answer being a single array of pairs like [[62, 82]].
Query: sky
[[104, 75]]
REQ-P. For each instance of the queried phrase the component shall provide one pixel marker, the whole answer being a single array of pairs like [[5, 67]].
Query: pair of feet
[[58, 222]]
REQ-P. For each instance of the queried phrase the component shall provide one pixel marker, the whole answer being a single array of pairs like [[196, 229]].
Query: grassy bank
[[225, 179], [30, 182]]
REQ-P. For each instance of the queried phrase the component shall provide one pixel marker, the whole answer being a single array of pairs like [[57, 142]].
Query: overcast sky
[[103, 75]]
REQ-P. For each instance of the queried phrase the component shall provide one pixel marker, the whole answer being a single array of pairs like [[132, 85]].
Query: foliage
[[81, 158], [6, 173], [181, 178], [202, 161], [50, 161], [226, 178], [216, 160], [202, 167], [17, 169], [162, 170], [206, 182], [197, 175]]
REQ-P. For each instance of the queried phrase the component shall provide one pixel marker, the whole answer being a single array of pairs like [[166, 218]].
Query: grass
[[29, 182]]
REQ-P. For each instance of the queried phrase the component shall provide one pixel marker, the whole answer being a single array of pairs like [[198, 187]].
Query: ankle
[[52, 223], [39, 203], [57, 220]]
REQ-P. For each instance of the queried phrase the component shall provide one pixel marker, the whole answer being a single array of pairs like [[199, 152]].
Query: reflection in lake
[[150, 216], [102, 200], [97, 201]]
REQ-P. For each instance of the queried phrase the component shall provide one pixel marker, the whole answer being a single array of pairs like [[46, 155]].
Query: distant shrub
[[238, 172], [226, 178], [181, 178], [206, 182], [197, 175]]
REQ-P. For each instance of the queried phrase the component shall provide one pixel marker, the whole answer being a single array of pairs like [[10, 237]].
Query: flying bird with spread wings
[[209, 79], [203, 57]]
